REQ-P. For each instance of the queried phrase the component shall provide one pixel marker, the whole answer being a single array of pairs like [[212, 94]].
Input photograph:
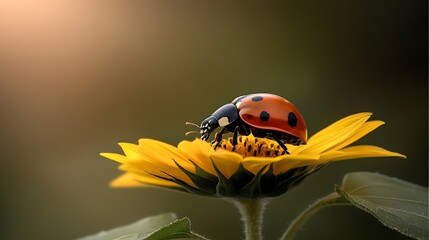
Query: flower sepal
[[243, 183]]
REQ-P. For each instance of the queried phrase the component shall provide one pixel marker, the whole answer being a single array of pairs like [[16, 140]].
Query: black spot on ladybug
[[264, 116], [292, 120], [257, 98]]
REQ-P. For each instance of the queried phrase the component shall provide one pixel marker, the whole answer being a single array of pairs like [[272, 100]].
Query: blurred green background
[[79, 76]]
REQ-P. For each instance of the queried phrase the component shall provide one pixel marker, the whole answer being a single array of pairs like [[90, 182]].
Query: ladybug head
[[208, 126], [222, 117]]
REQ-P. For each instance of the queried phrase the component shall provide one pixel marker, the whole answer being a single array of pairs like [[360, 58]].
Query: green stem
[[331, 199], [252, 215]]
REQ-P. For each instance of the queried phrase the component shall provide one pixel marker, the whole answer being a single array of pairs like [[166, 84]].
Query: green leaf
[[129, 232], [180, 229], [397, 204], [136, 236]]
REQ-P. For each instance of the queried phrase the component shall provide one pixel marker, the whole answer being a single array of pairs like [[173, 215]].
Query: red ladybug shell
[[271, 112]]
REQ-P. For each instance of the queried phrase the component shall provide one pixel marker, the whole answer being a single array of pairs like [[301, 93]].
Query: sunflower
[[254, 168]]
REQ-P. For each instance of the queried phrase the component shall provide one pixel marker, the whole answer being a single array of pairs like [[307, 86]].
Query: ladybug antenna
[[191, 132], [193, 124]]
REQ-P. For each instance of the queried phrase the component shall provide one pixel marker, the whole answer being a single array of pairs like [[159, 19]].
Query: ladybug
[[262, 114]]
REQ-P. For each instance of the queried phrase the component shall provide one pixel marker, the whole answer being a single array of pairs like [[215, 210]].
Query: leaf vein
[[367, 186], [386, 209], [391, 198]]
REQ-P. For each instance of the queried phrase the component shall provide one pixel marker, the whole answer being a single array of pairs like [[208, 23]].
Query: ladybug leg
[[235, 136], [218, 137], [281, 144]]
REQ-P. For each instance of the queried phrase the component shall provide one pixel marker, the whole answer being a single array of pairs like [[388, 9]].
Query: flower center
[[253, 146]]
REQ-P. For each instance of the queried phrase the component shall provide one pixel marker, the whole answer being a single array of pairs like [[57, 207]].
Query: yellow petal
[[333, 135], [136, 159], [363, 130], [362, 151], [126, 180], [135, 180], [131, 150], [284, 165], [148, 169], [148, 177], [163, 153], [155, 157], [227, 162], [159, 170], [115, 157], [280, 164], [199, 152], [162, 156]]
